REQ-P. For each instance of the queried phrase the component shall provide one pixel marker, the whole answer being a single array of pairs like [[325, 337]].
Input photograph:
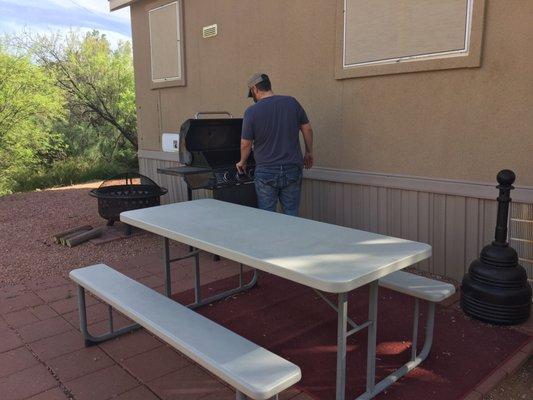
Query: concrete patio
[[42, 354]]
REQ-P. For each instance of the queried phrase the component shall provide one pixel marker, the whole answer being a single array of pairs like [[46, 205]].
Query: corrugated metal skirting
[[457, 227], [522, 234], [177, 189]]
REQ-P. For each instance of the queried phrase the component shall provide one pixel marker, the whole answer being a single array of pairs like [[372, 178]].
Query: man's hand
[[246, 149], [308, 160], [307, 133], [241, 167]]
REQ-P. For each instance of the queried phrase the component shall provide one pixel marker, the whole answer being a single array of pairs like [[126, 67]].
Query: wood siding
[[457, 227]]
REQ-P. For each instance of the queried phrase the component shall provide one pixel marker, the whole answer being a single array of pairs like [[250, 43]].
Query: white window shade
[[166, 47], [381, 36]]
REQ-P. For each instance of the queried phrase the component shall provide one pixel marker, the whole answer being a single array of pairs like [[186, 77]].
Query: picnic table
[[325, 257]]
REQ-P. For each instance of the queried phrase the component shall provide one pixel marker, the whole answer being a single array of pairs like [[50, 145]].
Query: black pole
[[496, 289], [505, 179]]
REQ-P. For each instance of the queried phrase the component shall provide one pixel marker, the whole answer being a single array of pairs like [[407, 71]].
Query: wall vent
[[210, 31]]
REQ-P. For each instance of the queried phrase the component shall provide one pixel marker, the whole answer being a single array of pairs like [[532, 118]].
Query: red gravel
[[28, 220]]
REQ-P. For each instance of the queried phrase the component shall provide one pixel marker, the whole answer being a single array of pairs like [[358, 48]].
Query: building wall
[[455, 124], [425, 128]]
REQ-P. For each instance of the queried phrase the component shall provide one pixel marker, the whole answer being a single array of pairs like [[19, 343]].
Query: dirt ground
[[28, 220], [518, 386], [27, 252]]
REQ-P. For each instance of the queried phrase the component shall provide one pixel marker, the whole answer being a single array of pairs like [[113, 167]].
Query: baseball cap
[[254, 80]]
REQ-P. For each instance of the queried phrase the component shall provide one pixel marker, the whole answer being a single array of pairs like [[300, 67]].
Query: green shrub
[[62, 173]]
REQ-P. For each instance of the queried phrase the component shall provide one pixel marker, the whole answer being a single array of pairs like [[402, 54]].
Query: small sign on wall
[[171, 142]]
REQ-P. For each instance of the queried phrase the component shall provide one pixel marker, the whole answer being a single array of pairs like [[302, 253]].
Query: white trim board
[[158, 155], [480, 190]]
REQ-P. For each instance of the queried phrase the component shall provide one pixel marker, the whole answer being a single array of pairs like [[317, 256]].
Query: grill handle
[[197, 115]]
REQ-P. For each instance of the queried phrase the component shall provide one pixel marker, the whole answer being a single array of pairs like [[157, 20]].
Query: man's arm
[[307, 132], [246, 148]]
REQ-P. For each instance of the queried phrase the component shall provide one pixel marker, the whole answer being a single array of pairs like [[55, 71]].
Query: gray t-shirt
[[274, 124]]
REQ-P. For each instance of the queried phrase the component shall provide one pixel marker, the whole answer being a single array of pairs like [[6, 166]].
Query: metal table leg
[[166, 264], [372, 335], [342, 335], [189, 198], [342, 316], [198, 300], [167, 260], [373, 388], [91, 340]]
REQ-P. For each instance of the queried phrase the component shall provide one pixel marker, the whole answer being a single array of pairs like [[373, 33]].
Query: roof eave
[[118, 4]]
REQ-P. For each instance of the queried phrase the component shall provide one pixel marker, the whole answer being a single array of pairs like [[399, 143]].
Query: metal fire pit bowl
[[124, 192]]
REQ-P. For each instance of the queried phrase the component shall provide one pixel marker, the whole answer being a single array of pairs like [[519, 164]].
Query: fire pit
[[124, 192]]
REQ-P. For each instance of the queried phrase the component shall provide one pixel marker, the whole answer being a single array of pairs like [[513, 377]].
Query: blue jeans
[[279, 182]]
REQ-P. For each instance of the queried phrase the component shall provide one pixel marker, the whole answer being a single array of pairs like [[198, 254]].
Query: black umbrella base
[[496, 304], [496, 314]]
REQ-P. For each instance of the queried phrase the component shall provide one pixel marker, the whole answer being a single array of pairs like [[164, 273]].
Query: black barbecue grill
[[209, 148]]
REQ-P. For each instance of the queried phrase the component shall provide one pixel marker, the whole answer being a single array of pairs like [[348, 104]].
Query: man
[[272, 125]]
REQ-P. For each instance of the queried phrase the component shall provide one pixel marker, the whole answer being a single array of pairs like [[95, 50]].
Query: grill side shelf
[[182, 171]]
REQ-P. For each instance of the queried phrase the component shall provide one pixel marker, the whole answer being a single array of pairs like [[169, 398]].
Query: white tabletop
[[323, 256]]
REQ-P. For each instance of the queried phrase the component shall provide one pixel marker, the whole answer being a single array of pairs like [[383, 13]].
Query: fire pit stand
[[124, 192]]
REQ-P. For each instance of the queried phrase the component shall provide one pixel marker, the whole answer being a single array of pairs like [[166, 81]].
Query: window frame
[[181, 80], [470, 57]]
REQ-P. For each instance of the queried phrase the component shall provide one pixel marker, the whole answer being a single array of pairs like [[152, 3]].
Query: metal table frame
[[91, 340], [373, 388], [222, 246], [343, 321], [198, 300]]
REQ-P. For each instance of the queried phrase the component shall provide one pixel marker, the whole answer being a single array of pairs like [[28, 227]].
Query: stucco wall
[[455, 124]]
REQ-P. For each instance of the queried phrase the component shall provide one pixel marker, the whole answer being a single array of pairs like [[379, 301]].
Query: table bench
[[253, 371], [421, 288]]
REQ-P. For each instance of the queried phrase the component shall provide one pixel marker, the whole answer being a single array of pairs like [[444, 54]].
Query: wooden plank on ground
[[85, 236], [57, 237]]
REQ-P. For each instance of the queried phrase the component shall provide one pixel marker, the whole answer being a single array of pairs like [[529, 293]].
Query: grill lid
[[212, 143]]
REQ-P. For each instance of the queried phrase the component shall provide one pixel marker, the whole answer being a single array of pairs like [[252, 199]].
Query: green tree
[[30, 106], [67, 110], [97, 80]]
